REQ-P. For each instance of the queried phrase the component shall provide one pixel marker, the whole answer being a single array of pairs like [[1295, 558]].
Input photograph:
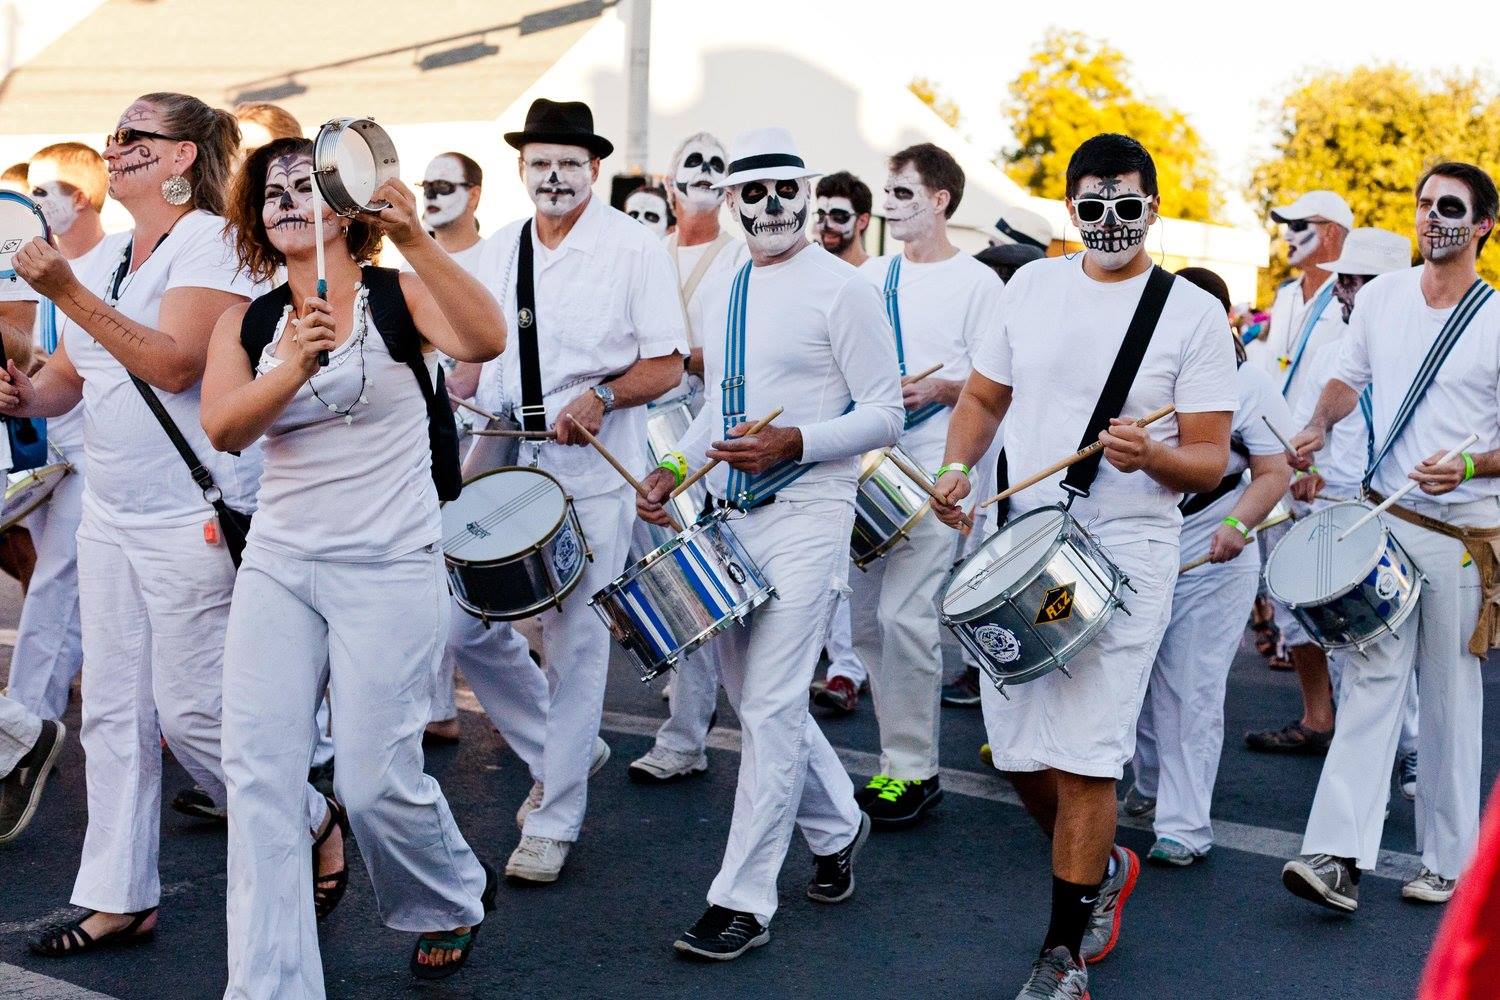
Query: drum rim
[[991, 604], [41, 473], [527, 553], [650, 559], [36, 210], [325, 160], [898, 535], [1373, 562]]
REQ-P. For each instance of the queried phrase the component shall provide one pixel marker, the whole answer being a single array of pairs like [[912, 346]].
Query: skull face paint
[[439, 210], [557, 176], [910, 208], [55, 199], [1302, 241], [697, 170], [772, 213], [1445, 218], [1345, 287], [138, 168], [286, 210], [1113, 224], [649, 209], [836, 223]]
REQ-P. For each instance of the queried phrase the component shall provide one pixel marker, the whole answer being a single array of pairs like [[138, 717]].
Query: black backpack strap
[[533, 410], [1121, 376], [258, 325]]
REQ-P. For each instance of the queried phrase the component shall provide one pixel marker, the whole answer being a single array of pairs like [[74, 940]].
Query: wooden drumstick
[[707, 467], [635, 483], [317, 209], [1074, 458], [1410, 485], [505, 432], [919, 376], [927, 487], [486, 414]]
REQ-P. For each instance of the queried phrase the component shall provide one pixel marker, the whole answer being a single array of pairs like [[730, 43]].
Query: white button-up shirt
[[1288, 313], [605, 298]]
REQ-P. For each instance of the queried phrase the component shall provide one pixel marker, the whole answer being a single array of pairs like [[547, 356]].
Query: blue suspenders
[[893, 313], [1314, 313]]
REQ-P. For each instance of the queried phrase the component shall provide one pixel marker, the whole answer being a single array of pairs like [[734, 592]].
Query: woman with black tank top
[[342, 580]]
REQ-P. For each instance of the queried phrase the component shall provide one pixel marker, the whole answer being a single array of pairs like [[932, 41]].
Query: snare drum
[[1032, 596], [351, 158], [513, 544], [666, 422], [1347, 593], [21, 221], [26, 491], [683, 594], [886, 506]]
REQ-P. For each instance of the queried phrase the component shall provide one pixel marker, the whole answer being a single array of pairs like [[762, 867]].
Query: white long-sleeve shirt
[[816, 339]]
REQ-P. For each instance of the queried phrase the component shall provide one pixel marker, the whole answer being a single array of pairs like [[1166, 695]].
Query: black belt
[[1202, 501]]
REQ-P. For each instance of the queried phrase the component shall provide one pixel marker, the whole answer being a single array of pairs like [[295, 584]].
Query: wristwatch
[[606, 396]]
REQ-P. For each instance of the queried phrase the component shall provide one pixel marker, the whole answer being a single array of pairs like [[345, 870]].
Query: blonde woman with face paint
[[343, 564]]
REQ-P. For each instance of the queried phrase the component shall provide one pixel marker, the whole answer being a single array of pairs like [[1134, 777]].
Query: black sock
[[1353, 869], [1072, 906]]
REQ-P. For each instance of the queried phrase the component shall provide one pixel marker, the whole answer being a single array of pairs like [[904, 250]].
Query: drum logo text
[[1000, 643], [474, 529], [1057, 605], [11, 246], [565, 553]]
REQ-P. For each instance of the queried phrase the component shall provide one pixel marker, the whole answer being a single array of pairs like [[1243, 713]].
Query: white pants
[[1410, 723], [691, 701], [843, 661], [370, 631], [19, 731], [444, 707], [1085, 723], [49, 641], [789, 775], [577, 644], [515, 699], [893, 606], [1348, 812], [1181, 729], [154, 604]]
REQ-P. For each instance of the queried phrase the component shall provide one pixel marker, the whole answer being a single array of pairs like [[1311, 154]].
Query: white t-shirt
[[1342, 461], [1389, 336], [1289, 311], [1260, 400], [946, 308], [730, 258], [135, 475], [1059, 333]]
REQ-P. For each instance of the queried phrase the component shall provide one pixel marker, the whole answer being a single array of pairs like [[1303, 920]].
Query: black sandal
[[462, 943], [328, 890], [64, 940]]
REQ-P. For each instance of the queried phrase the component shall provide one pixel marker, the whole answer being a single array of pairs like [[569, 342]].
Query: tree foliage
[[929, 94], [1368, 134], [1074, 87]]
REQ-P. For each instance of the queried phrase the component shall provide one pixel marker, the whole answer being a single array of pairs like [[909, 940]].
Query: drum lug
[[1125, 582], [1121, 604], [1063, 668]]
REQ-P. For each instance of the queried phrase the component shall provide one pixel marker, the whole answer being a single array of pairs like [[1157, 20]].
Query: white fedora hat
[[1372, 251], [1022, 226], [764, 154]]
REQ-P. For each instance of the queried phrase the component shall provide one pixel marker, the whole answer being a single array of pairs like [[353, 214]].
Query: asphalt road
[[954, 909]]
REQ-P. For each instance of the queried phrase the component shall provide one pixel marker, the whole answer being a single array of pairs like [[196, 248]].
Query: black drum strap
[[533, 410]]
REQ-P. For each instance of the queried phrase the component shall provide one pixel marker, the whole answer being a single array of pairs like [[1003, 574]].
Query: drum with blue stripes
[[682, 594]]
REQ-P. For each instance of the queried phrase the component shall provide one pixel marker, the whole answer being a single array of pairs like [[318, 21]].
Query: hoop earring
[[176, 190]]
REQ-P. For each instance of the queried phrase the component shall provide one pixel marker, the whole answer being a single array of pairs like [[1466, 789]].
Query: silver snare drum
[[513, 544], [682, 594], [25, 491], [666, 422], [1032, 596], [1347, 593], [886, 506]]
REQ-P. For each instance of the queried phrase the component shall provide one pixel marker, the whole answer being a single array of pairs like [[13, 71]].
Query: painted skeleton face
[[773, 213], [138, 165], [1445, 218], [836, 224], [1303, 237], [288, 206], [55, 199], [557, 176], [911, 210], [649, 209], [1345, 287], [444, 193], [1112, 215], [701, 166]]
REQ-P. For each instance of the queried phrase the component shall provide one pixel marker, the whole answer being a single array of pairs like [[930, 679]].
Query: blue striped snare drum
[[887, 505], [682, 594], [666, 422], [513, 544], [1348, 593]]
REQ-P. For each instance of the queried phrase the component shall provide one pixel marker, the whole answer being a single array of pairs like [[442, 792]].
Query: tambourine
[[351, 158], [21, 221]]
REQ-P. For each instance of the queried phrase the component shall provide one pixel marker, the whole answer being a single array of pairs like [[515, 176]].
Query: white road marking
[[18, 984], [7, 638]]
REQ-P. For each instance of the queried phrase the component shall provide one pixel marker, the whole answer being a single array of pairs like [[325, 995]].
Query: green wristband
[[674, 462], [1239, 526], [954, 467], [1468, 467]]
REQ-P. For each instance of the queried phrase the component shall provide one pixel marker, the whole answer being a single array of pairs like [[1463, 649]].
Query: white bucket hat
[[1372, 251], [1022, 226], [764, 154]]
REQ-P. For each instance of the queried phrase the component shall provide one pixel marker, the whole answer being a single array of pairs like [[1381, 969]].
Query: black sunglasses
[[128, 136], [1128, 208], [430, 188], [838, 215]]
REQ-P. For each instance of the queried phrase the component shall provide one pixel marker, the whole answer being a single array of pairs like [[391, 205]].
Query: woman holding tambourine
[[343, 565]]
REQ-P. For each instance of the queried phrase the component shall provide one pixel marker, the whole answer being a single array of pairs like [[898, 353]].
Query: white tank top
[[348, 466]]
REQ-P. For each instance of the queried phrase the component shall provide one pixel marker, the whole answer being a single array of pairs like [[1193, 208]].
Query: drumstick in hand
[[922, 481], [919, 376], [1074, 458], [486, 414], [1410, 485], [707, 467], [635, 483], [317, 207]]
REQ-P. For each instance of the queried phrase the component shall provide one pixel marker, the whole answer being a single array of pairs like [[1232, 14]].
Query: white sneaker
[[534, 797], [661, 764], [1429, 887], [537, 859]]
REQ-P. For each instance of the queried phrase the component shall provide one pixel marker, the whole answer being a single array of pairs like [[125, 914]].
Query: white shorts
[[1085, 723]]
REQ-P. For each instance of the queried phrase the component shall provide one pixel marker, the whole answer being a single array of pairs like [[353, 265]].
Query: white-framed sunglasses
[[1128, 208]]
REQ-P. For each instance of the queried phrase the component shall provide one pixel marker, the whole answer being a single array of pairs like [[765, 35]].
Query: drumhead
[[24, 491], [1310, 565], [502, 514], [21, 221], [1011, 556], [351, 158]]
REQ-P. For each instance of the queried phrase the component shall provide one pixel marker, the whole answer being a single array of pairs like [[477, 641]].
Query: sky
[[1222, 64]]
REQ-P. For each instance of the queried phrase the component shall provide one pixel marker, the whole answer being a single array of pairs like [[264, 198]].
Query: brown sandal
[[328, 890], [66, 940]]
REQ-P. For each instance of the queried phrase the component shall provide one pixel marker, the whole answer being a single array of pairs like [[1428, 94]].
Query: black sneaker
[[864, 796], [900, 804], [21, 789], [833, 874], [196, 802], [722, 934], [964, 690]]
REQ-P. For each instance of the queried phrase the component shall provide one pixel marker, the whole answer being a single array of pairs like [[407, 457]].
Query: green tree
[[929, 94], [1368, 134], [1074, 87]]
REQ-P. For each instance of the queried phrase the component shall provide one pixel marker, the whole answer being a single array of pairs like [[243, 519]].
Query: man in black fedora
[[592, 297]]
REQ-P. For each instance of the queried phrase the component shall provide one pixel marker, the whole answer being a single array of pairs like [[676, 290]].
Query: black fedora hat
[[569, 123]]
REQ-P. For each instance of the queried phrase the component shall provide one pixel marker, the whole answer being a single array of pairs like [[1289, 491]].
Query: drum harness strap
[[1314, 313], [893, 313], [1194, 502], [533, 410]]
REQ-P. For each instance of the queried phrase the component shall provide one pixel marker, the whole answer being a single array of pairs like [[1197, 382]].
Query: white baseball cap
[[1372, 251], [1022, 226], [1317, 205], [764, 154]]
